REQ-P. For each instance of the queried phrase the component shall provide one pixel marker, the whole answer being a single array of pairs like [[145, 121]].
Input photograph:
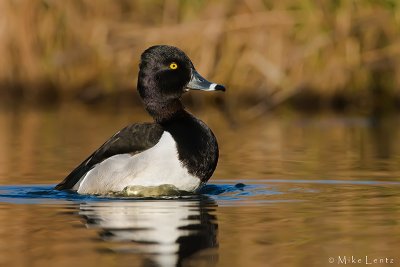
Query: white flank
[[155, 166]]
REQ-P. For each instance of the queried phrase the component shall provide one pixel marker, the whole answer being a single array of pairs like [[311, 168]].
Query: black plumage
[[196, 144]]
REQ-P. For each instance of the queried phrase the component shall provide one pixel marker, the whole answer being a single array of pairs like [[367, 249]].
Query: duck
[[175, 149]]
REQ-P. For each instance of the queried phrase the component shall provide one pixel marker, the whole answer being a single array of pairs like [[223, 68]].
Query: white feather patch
[[155, 166]]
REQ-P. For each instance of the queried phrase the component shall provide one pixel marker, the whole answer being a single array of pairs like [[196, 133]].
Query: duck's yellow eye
[[173, 66]]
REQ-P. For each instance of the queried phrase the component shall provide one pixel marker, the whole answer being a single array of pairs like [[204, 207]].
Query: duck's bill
[[197, 82]]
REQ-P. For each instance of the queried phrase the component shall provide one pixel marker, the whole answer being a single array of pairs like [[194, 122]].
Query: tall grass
[[267, 51]]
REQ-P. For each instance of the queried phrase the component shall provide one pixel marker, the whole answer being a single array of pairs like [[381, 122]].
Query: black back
[[132, 139]]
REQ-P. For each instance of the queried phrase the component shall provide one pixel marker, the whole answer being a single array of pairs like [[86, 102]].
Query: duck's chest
[[196, 145]]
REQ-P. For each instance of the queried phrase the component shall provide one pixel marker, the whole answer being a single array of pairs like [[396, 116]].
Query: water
[[289, 191]]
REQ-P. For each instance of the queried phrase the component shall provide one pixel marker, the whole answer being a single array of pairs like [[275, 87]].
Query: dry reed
[[264, 50]]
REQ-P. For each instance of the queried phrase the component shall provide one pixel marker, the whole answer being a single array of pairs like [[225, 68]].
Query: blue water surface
[[224, 192]]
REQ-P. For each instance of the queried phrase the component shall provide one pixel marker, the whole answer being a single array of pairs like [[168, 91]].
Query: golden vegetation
[[267, 51]]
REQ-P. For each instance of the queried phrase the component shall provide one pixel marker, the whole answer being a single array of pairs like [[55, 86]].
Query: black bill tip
[[219, 87]]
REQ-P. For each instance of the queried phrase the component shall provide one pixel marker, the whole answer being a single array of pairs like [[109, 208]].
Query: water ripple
[[224, 192]]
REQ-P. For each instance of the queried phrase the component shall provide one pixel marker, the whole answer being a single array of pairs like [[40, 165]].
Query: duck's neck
[[164, 111]]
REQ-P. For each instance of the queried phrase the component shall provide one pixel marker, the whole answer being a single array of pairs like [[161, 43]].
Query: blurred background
[[308, 54], [308, 126]]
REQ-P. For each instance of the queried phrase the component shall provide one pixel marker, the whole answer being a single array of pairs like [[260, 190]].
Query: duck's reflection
[[165, 232]]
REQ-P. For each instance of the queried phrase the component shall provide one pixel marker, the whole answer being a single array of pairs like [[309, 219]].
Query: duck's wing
[[132, 139]]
